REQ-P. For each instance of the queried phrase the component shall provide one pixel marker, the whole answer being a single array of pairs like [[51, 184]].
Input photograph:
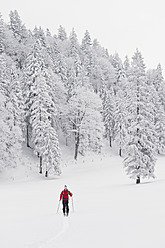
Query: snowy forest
[[53, 85]]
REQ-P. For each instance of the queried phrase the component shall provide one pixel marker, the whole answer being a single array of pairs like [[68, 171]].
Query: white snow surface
[[110, 210]]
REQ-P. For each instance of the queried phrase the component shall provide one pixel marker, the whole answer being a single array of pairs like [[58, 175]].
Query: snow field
[[110, 209]]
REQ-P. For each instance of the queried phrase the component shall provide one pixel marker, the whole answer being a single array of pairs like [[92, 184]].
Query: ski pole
[[72, 205], [58, 206]]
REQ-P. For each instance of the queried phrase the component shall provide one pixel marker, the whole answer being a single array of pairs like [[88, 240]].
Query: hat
[[65, 186]]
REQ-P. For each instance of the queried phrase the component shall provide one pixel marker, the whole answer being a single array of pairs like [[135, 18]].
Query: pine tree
[[121, 119], [40, 109], [86, 42], [119, 71], [10, 132], [126, 66], [40, 36], [52, 154], [86, 48], [43, 134], [31, 70], [108, 115], [16, 95], [62, 33], [155, 78], [140, 161], [18, 40], [159, 83], [58, 60], [74, 52], [18, 29]]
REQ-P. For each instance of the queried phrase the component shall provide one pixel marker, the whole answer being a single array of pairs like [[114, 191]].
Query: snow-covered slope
[[110, 210]]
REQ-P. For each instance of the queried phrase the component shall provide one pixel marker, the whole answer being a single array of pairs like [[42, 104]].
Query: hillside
[[110, 209]]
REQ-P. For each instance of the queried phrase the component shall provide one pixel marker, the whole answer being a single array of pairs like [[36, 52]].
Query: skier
[[64, 196]]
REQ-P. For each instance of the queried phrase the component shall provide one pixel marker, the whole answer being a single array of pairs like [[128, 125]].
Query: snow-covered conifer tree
[[17, 40], [62, 33], [126, 66], [86, 48], [119, 71], [18, 29], [139, 161], [32, 67], [44, 136], [109, 104], [40, 36], [41, 110], [155, 78], [58, 60], [121, 119], [74, 52], [10, 132]]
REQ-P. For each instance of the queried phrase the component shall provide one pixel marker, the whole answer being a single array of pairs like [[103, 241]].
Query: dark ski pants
[[65, 207]]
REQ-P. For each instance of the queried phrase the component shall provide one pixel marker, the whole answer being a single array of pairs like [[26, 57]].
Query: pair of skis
[[59, 206]]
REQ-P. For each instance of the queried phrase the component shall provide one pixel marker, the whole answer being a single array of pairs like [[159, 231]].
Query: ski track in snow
[[65, 227], [47, 243]]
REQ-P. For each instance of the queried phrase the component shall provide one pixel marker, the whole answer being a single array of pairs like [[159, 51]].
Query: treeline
[[51, 86]]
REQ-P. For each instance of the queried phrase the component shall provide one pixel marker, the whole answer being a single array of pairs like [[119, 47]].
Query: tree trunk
[[137, 180], [138, 113], [120, 151], [27, 135], [110, 141], [77, 141], [46, 173], [40, 164]]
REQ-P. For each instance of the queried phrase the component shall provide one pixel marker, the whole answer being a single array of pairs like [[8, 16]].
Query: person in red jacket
[[64, 196]]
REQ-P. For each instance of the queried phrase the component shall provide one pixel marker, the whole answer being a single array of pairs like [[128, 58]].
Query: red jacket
[[65, 195]]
